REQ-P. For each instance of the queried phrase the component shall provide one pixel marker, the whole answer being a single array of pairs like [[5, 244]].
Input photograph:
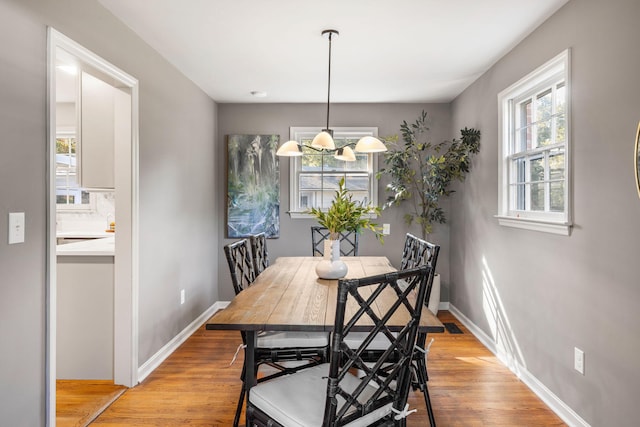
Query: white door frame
[[126, 274]]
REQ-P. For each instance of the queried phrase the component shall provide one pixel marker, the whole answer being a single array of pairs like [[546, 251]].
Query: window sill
[[562, 228]]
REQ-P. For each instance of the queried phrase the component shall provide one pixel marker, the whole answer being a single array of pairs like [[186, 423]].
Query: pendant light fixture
[[324, 140]]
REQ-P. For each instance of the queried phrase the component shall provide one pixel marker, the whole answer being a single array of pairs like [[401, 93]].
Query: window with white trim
[[534, 150], [69, 194], [314, 176]]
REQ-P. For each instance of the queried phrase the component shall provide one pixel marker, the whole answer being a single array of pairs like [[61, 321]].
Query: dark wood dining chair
[[420, 252], [330, 394], [348, 242], [273, 348], [416, 252]]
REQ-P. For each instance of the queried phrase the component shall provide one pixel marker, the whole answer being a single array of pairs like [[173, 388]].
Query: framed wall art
[[253, 185]]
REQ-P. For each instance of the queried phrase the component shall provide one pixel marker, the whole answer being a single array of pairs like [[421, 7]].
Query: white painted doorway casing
[[126, 199]]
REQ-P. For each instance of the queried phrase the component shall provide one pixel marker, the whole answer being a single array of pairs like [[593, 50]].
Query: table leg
[[249, 363]]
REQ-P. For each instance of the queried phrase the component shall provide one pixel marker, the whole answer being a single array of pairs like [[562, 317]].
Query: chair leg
[[422, 382], [236, 419]]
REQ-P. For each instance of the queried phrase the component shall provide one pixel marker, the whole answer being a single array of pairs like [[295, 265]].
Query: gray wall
[[295, 234], [178, 238], [555, 293]]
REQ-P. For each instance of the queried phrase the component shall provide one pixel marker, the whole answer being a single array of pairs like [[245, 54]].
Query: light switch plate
[[578, 360], [386, 229], [16, 227]]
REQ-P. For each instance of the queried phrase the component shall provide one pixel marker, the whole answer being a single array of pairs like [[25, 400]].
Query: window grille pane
[[544, 134], [537, 197], [305, 201], [561, 128], [536, 169], [358, 185], [521, 197], [311, 161], [314, 161], [521, 171], [309, 182], [331, 164], [318, 190], [544, 106], [523, 134], [361, 164], [557, 196], [556, 164], [561, 98]]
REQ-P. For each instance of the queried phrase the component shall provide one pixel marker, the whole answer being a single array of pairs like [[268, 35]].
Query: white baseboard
[[154, 361], [443, 305], [561, 409]]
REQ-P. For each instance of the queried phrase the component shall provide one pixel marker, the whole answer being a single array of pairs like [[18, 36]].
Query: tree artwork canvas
[[253, 185]]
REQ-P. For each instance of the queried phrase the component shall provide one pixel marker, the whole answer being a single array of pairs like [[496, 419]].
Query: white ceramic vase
[[331, 266], [434, 298]]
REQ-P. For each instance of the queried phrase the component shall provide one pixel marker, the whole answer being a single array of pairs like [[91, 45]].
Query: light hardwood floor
[[78, 402], [196, 386]]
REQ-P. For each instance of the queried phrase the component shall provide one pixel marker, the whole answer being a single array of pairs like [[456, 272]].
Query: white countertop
[[93, 247]]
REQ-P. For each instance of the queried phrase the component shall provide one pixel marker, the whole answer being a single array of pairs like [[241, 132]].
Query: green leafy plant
[[345, 214], [421, 171]]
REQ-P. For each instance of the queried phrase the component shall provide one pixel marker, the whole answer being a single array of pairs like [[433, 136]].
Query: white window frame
[[295, 163], [547, 75], [75, 207]]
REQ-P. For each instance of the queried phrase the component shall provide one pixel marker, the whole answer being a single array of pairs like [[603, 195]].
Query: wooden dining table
[[289, 296]]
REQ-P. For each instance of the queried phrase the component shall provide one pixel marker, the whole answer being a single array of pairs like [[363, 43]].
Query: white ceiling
[[400, 51]]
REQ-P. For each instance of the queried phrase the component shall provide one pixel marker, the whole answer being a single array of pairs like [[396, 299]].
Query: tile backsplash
[[93, 220]]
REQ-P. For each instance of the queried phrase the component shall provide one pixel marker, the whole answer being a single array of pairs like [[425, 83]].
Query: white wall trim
[[561, 409], [444, 305], [161, 355]]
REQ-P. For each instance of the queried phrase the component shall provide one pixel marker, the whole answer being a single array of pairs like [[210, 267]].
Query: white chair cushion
[[298, 400], [354, 340], [287, 339]]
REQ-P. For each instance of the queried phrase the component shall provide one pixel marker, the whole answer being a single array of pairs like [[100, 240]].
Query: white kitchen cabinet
[[85, 316], [96, 144]]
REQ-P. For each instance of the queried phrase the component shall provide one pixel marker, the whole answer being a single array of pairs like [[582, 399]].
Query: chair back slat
[[390, 374], [259, 252], [348, 241], [240, 263]]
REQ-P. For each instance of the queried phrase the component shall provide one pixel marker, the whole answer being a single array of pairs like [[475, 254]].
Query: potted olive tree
[[344, 214], [421, 173]]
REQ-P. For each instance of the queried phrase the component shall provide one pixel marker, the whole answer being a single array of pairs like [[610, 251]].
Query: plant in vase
[[421, 173], [344, 215]]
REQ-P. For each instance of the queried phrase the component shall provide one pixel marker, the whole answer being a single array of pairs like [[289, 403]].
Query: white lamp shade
[[370, 144], [323, 140], [289, 149], [347, 155]]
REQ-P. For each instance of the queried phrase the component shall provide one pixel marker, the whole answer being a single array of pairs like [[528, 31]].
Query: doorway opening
[[85, 169]]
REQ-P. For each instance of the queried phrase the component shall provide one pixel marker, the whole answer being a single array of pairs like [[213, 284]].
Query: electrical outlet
[[386, 229], [182, 296], [578, 360]]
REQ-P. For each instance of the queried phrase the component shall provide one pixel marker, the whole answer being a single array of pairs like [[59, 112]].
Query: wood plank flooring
[[197, 387], [78, 402]]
